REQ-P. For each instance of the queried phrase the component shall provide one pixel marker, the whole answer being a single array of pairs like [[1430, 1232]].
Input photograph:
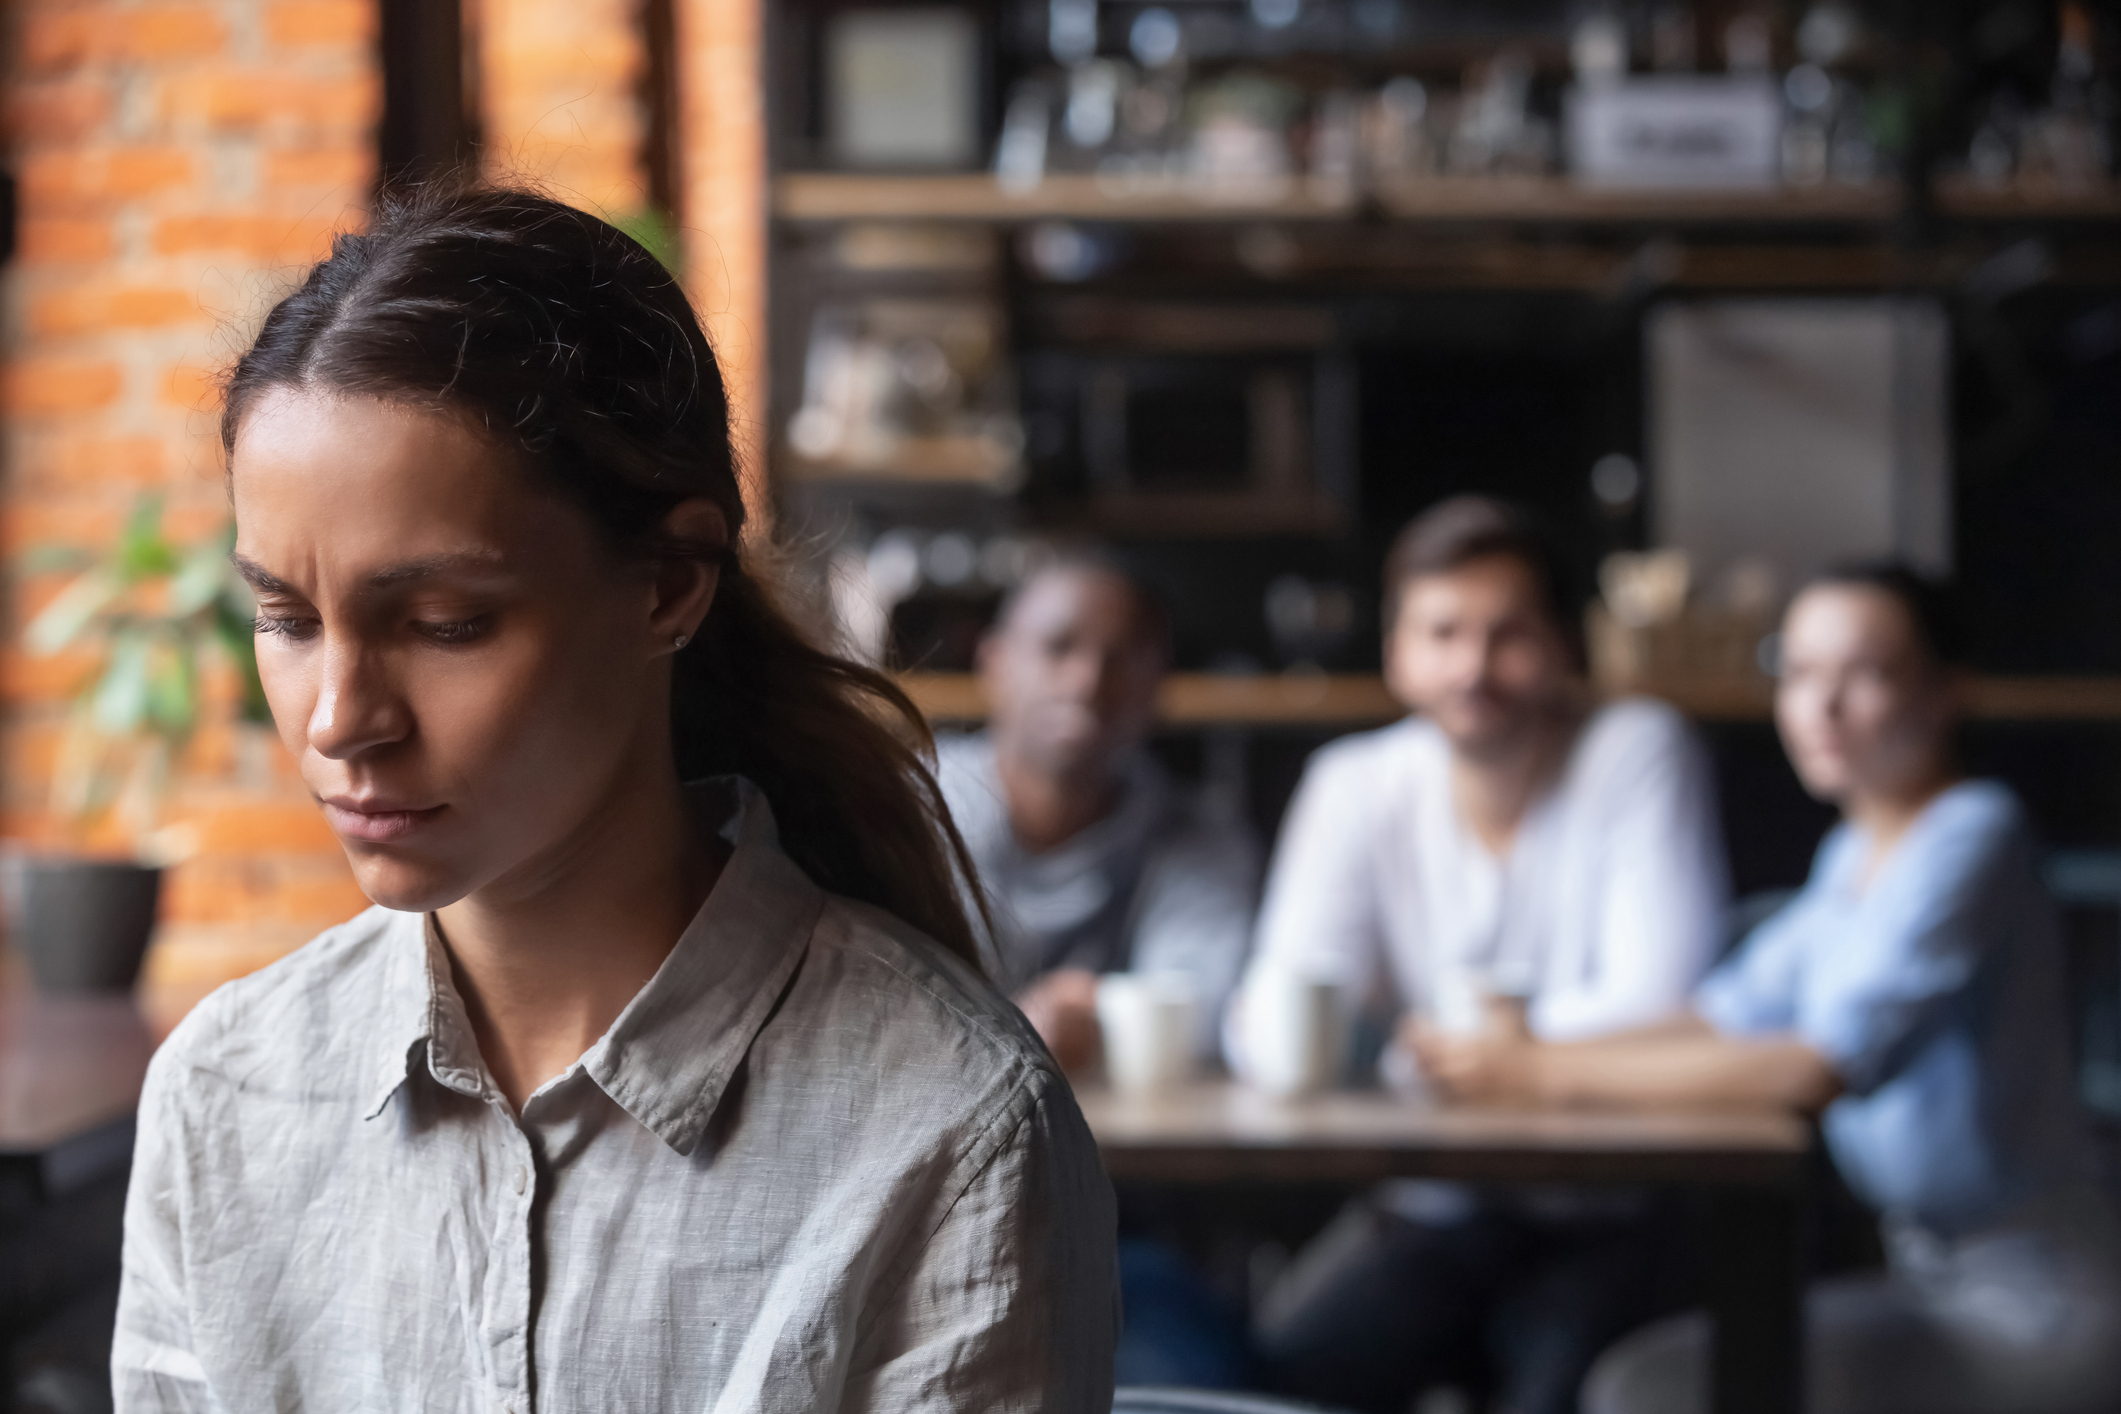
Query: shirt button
[[522, 1182]]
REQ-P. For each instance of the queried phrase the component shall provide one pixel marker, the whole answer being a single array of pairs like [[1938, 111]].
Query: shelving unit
[[1357, 699], [977, 196]]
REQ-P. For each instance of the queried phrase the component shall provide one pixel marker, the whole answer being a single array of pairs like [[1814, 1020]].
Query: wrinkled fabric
[[816, 1164]]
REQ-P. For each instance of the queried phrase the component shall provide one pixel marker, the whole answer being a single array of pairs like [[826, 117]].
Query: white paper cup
[[1149, 1029], [1458, 1002], [1294, 1033]]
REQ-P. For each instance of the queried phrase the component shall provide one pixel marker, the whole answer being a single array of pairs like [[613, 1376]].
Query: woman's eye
[[452, 630], [284, 625]]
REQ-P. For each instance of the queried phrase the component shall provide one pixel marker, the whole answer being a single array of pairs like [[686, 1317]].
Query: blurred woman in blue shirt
[[1913, 992]]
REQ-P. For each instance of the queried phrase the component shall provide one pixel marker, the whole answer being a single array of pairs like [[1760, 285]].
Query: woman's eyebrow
[[264, 581], [259, 578], [427, 566]]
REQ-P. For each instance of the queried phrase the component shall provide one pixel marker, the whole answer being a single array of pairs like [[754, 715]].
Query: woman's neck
[[1885, 815], [547, 957]]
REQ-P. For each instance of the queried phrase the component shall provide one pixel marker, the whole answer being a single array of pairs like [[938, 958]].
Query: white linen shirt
[[815, 1164], [1603, 915]]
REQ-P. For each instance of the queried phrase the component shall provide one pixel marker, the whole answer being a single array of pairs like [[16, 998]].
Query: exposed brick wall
[[722, 151], [559, 96], [178, 163]]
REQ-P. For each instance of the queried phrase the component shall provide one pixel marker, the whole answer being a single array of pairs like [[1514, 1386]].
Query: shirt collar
[[669, 1056]]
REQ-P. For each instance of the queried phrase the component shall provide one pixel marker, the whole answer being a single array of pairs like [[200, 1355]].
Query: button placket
[[509, 1313]]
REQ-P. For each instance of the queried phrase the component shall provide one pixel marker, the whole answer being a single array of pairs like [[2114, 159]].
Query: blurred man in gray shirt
[[1093, 859]]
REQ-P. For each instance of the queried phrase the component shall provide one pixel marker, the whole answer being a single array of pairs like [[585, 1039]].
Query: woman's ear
[[686, 575]]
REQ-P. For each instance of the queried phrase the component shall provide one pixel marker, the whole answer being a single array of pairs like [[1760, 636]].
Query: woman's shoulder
[[893, 1001], [294, 1020]]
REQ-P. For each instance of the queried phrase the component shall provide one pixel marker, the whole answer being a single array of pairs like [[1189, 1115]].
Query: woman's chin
[[408, 886]]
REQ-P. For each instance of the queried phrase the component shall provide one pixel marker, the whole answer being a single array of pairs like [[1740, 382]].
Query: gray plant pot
[[82, 924]]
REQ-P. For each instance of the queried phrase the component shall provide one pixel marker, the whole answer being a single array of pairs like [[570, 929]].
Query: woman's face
[[469, 680], [1862, 707]]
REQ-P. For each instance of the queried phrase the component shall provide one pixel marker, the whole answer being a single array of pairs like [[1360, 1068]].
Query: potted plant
[[150, 610]]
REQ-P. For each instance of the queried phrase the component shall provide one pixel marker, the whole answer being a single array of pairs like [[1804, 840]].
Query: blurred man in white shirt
[[1515, 856]]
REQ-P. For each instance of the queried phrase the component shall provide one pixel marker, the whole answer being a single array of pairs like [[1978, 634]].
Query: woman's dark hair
[[567, 342], [1932, 604], [1456, 532]]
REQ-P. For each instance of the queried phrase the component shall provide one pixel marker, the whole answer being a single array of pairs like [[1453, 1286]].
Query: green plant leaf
[[71, 611], [235, 624], [173, 688], [200, 580], [118, 703], [143, 551]]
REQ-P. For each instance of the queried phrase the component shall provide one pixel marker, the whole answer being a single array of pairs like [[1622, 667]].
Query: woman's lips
[[376, 823]]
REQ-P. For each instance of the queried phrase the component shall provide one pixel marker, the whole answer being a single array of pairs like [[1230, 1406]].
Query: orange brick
[[295, 22], [104, 461], [59, 240], [30, 678], [167, 32], [194, 389], [264, 237], [229, 101], [94, 308], [264, 827], [320, 167], [24, 524], [110, 174], [56, 41], [56, 112], [51, 387]]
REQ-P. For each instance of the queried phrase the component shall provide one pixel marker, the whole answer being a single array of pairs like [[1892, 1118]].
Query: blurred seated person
[[1913, 994], [1093, 859], [1518, 854]]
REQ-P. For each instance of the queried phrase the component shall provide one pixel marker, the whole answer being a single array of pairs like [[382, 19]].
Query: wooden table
[[1754, 1165], [70, 1075]]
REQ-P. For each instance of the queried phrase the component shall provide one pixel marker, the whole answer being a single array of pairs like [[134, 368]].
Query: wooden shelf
[[1557, 199], [976, 196], [1358, 700], [2027, 201]]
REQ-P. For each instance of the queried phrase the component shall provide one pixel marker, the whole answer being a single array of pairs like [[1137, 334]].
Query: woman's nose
[[357, 708]]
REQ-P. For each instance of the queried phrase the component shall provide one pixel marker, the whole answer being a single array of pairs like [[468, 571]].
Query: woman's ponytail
[[838, 751]]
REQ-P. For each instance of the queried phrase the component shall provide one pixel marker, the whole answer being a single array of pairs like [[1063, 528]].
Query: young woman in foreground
[[1913, 992], [629, 1095]]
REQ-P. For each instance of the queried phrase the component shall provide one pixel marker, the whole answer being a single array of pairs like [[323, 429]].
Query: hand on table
[[1062, 1007], [1499, 1064]]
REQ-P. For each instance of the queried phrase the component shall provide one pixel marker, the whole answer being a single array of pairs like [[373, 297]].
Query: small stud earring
[[680, 641]]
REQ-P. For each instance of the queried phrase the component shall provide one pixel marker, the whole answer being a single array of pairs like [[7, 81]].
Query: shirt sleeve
[[1321, 915], [1662, 905], [1754, 993], [1195, 915], [153, 1365], [1013, 1304], [1953, 896]]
